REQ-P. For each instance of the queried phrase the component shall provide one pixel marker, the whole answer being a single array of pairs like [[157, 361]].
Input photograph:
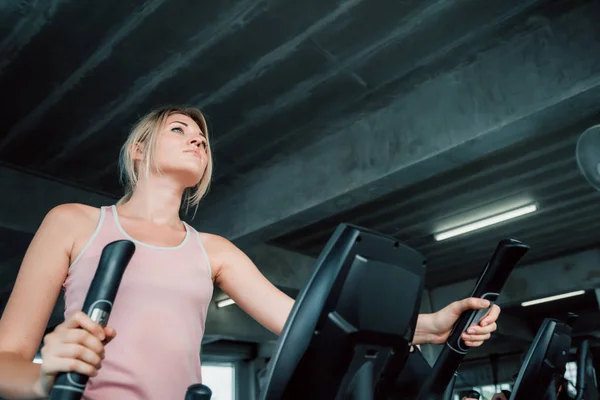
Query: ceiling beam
[[104, 50], [463, 21], [448, 120], [233, 19], [35, 16], [414, 29], [272, 58]]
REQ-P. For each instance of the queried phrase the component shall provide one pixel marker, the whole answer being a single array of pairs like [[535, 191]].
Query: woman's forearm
[[19, 378], [422, 331]]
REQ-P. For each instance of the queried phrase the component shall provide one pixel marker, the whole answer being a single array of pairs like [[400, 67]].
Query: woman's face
[[182, 149]]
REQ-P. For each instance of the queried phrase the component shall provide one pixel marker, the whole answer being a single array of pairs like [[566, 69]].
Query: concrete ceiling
[[402, 116]]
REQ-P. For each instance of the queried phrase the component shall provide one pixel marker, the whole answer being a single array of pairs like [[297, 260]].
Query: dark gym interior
[[406, 117]]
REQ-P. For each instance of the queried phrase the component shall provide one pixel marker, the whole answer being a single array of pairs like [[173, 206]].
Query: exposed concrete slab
[[236, 18], [102, 52], [38, 14], [451, 119]]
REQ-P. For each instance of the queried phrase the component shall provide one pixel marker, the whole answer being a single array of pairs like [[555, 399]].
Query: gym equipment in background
[[544, 363], [587, 382], [587, 154]]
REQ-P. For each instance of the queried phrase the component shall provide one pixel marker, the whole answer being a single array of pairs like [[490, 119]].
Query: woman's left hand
[[435, 328]]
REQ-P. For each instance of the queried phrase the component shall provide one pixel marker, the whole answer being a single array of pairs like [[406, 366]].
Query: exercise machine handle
[[506, 256], [97, 305], [582, 359], [198, 392]]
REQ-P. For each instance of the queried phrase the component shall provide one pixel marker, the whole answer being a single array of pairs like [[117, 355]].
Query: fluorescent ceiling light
[[37, 360], [225, 303], [473, 226], [552, 298]]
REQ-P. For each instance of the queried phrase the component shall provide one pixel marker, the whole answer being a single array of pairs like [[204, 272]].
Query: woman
[[162, 302]]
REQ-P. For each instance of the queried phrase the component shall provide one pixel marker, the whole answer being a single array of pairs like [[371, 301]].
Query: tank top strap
[[92, 238], [197, 243], [112, 224], [105, 229]]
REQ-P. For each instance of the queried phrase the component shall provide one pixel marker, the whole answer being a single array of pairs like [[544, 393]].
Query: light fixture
[[37, 359], [225, 302], [552, 298], [473, 226]]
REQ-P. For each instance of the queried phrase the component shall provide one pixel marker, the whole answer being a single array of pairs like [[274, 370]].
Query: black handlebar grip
[[198, 392], [582, 365], [97, 305], [507, 255], [493, 278]]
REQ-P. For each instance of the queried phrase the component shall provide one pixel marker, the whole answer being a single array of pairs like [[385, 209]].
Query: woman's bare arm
[[237, 275], [32, 300]]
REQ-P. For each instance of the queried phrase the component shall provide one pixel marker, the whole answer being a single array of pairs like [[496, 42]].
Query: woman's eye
[[204, 145], [178, 130]]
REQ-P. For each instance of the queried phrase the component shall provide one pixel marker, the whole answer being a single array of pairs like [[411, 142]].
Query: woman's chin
[[188, 176]]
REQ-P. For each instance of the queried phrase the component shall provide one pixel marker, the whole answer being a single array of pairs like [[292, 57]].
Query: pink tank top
[[159, 315]]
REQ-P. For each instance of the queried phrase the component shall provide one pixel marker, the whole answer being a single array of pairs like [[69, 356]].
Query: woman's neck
[[155, 201]]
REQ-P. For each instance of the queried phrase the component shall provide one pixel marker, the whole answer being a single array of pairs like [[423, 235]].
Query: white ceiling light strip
[[552, 298], [496, 219], [225, 303]]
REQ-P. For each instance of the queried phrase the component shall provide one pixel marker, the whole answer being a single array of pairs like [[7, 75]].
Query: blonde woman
[[158, 320]]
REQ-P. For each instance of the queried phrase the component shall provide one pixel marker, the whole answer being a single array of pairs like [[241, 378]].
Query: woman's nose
[[196, 141]]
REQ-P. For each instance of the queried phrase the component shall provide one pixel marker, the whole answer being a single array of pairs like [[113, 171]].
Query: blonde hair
[[144, 134]]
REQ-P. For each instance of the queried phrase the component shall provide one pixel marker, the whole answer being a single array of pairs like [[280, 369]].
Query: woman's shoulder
[[71, 212], [221, 252], [215, 243], [73, 215], [219, 249]]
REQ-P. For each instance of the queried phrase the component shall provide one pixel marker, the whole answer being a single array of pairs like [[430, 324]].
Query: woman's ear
[[136, 152]]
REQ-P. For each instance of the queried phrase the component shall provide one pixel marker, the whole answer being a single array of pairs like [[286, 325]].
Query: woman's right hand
[[76, 345]]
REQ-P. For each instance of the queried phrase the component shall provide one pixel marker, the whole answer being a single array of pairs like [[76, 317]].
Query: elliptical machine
[[349, 333], [587, 382]]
